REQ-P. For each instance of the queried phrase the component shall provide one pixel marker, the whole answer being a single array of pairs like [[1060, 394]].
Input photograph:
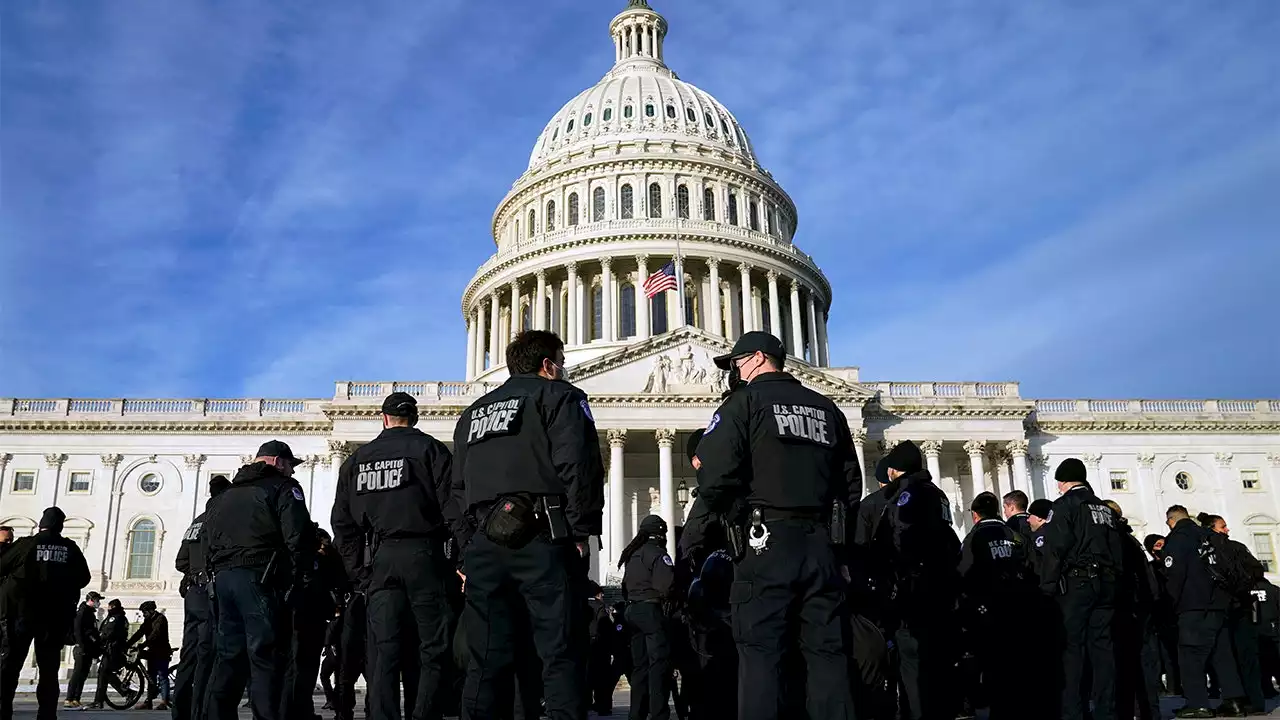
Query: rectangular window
[[78, 482], [1120, 480], [24, 481], [1264, 550], [1249, 479]]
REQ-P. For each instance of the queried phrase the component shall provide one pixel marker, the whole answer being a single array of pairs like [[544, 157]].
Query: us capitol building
[[638, 171]]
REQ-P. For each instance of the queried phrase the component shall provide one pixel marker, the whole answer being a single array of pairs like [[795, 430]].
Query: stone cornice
[[1163, 425], [169, 427], [977, 410]]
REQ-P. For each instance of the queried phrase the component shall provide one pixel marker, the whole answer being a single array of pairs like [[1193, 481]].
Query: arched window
[[658, 313], [517, 231], [626, 112], [586, 120], [723, 128], [655, 200], [671, 111], [708, 204], [608, 114], [570, 129], [551, 215], [628, 310], [597, 204], [692, 308], [755, 215], [572, 218], [597, 313], [770, 224], [710, 123], [533, 222], [142, 550], [733, 209], [555, 134], [627, 202], [682, 201], [526, 317], [648, 110], [689, 113]]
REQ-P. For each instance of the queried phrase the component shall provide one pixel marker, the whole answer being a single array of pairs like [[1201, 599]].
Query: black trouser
[[715, 694], [1203, 640], [1269, 659], [600, 675], [79, 672], [408, 624], [793, 581], [926, 666], [249, 645], [1137, 667], [108, 665], [328, 671], [306, 642], [351, 655], [1088, 618], [197, 656], [541, 576], [1244, 644], [650, 661], [1167, 635], [14, 646]]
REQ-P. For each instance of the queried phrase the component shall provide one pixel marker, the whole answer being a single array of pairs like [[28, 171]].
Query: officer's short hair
[[986, 505], [528, 349], [1176, 512], [6, 528], [1017, 499]]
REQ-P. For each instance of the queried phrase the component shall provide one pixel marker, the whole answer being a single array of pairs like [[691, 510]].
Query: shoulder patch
[[715, 420], [297, 494], [1040, 541], [667, 559], [904, 498], [1168, 561], [1050, 518], [586, 410]]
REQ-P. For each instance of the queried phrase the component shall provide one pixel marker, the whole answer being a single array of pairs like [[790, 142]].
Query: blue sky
[[247, 198]]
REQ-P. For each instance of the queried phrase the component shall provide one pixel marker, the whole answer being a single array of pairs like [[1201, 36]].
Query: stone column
[[4, 463], [976, 448], [775, 310], [815, 356], [540, 301], [1018, 450], [606, 297], [193, 463], [1223, 461], [55, 461], [1047, 484], [932, 450], [642, 302], [666, 439], [716, 324], [574, 322], [1147, 481], [824, 354], [869, 484], [482, 334], [495, 327], [797, 328], [1091, 462], [748, 322], [617, 475], [1000, 473], [471, 347], [515, 311]]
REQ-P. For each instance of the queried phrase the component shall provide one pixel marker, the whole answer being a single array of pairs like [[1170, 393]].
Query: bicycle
[[130, 683]]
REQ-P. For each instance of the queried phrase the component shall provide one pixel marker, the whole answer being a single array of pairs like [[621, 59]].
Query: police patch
[[1168, 562], [380, 475], [297, 494], [1040, 541], [497, 419], [586, 410], [904, 498], [803, 422], [667, 559], [715, 420]]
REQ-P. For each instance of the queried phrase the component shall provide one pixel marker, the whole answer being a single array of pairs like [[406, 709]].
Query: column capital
[[1018, 448], [109, 460], [4, 460], [572, 267], [887, 444], [642, 259], [931, 448], [1223, 459], [772, 276], [193, 462], [540, 274], [339, 449], [860, 435], [1146, 459], [246, 460], [1091, 459], [713, 262], [55, 460], [1273, 458], [998, 455], [744, 268], [515, 284], [1040, 460], [617, 437], [606, 262], [666, 437], [975, 447]]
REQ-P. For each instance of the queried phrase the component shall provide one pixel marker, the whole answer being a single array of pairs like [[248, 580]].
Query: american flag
[[661, 281]]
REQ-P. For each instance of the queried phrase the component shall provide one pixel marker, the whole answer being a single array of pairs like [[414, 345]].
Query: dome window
[[655, 200], [723, 127], [689, 113], [708, 204], [754, 216], [597, 204], [551, 215], [733, 209], [626, 112], [555, 134], [570, 125], [671, 111], [533, 222], [710, 123], [628, 202], [608, 114], [682, 202], [586, 121], [571, 219], [648, 110]]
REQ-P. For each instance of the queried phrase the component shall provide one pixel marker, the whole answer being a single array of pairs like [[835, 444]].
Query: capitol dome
[[643, 176]]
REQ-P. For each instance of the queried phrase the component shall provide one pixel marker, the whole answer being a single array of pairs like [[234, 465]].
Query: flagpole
[[679, 257]]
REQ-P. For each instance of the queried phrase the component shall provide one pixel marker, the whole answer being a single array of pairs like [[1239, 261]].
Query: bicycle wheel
[[132, 685]]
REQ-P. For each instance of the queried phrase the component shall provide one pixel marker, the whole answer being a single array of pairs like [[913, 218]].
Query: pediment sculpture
[[679, 372]]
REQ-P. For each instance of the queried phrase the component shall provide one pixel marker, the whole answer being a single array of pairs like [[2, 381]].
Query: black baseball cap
[[275, 448], [400, 404], [754, 341]]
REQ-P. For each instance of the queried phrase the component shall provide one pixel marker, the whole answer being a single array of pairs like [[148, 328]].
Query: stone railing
[[427, 391], [234, 408], [1066, 409], [909, 390]]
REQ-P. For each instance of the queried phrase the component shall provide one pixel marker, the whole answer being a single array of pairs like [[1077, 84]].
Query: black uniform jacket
[[190, 561], [993, 559], [261, 515], [1083, 534], [396, 486], [86, 629], [530, 435], [1268, 599], [1189, 583], [779, 445], [43, 577], [649, 573], [156, 631], [1021, 524], [114, 635]]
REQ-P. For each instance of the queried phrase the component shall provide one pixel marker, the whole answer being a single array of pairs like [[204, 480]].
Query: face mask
[[563, 375]]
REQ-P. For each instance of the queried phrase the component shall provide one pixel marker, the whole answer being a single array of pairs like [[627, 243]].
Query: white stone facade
[[131, 474]]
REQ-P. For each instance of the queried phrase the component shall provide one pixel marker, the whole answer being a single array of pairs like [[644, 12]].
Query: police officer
[[86, 649], [1016, 515], [527, 472], [195, 659], [1202, 618], [43, 576], [787, 452], [1083, 562], [389, 520], [258, 542], [647, 582]]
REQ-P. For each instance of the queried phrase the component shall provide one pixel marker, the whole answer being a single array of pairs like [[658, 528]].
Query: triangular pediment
[[680, 362]]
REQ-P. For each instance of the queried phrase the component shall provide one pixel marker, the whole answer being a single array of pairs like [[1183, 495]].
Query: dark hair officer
[[787, 452], [196, 658], [528, 474], [389, 525]]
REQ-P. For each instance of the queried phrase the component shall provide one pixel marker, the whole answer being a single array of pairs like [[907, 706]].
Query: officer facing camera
[[528, 475], [785, 452]]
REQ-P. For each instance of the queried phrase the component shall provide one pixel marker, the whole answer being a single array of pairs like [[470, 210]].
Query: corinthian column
[[797, 324], [715, 323], [540, 301], [575, 318], [666, 437], [606, 297], [1021, 478], [775, 312], [617, 475], [515, 311], [471, 347], [642, 302], [976, 448], [495, 330], [748, 319], [859, 447], [932, 450]]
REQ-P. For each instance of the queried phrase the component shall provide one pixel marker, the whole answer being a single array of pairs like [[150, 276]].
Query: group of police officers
[[791, 595]]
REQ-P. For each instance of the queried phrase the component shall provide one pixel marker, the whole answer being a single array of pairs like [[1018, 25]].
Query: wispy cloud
[[236, 198]]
